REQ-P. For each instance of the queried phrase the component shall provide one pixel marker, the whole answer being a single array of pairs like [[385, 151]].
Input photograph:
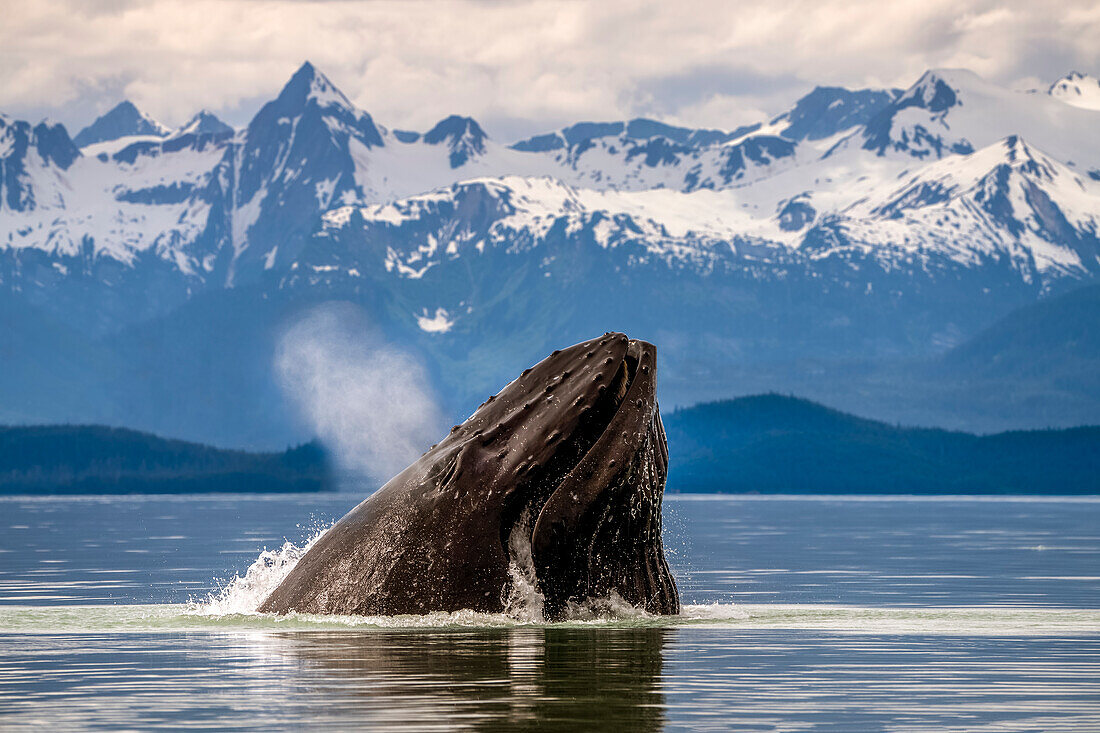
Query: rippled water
[[802, 614]]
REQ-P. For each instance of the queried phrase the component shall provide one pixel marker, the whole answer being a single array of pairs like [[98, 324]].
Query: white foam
[[244, 594], [524, 601]]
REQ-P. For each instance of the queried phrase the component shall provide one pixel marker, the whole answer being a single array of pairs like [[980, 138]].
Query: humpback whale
[[556, 481]]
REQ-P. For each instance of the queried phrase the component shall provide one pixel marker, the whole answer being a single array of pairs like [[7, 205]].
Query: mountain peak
[[937, 90], [204, 123], [462, 134], [826, 111], [122, 120], [308, 84], [1077, 89], [308, 90]]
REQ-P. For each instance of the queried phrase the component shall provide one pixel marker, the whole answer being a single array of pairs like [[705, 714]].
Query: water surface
[[830, 614]]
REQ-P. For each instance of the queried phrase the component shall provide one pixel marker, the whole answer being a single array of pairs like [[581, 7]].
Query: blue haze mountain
[[122, 120]]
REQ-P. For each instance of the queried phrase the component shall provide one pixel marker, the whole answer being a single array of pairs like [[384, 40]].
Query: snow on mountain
[[110, 147], [1077, 89], [1006, 202], [295, 158], [640, 129], [122, 120], [826, 111], [885, 172], [311, 149], [463, 137], [643, 154], [203, 123], [1006, 206], [515, 214], [954, 111], [121, 206], [32, 162]]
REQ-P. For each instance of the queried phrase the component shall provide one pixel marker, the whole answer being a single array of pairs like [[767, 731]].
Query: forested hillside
[[81, 459]]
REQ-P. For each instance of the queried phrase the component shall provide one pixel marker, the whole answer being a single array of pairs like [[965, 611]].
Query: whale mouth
[[587, 525]]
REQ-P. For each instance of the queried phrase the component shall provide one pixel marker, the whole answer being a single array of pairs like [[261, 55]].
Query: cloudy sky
[[518, 67]]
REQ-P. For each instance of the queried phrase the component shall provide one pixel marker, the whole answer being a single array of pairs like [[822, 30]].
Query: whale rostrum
[[557, 479]]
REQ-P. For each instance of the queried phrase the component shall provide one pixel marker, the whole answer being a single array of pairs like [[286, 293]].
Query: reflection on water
[[548, 678], [525, 678]]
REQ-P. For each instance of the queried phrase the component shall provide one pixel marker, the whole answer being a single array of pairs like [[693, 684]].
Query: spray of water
[[369, 402], [523, 600], [245, 593]]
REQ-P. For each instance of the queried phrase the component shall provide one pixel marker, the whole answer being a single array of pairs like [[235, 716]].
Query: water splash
[[612, 608], [523, 600], [244, 594]]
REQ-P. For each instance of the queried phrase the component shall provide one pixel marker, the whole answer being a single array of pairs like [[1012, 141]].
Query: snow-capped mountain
[[643, 154], [1007, 203], [856, 224], [954, 111], [218, 207], [32, 158], [203, 123], [124, 120], [1077, 89]]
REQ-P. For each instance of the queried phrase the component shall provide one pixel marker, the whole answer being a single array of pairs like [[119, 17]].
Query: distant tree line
[[92, 459], [778, 444]]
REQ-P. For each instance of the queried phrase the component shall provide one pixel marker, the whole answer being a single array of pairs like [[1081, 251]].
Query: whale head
[[557, 480]]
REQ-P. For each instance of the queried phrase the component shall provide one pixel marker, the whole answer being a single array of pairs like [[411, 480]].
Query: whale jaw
[[614, 547], [598, 534]]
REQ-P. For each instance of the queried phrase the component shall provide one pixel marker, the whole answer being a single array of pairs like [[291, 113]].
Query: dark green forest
[[763, 444], [90, 459], [778, 444]]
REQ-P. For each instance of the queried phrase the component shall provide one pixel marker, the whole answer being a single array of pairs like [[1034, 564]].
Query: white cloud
[[411, 63]]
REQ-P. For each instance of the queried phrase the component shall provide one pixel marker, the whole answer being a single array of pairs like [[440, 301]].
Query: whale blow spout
[[556, 482]]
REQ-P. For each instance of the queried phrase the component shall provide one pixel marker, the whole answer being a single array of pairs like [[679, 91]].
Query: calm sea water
[[815, 614]]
